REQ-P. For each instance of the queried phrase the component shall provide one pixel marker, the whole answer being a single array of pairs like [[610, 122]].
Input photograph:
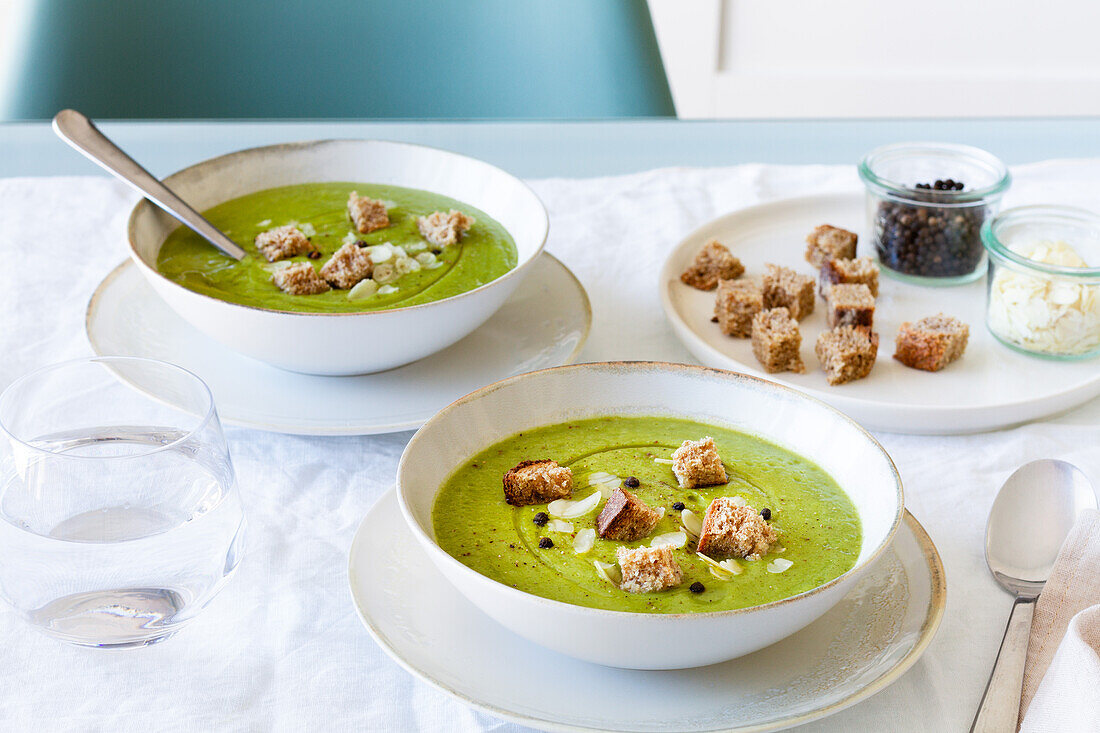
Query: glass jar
[[1043, 294], [926, 203]]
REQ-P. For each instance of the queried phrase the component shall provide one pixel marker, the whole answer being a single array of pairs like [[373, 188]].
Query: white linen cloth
[[282, 648], [1062, 678]]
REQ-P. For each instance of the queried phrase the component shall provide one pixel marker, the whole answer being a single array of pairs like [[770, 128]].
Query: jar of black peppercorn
[[926, 203]]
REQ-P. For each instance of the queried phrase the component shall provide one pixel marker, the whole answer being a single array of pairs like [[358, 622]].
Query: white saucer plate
[[990, 387], [863, 644], [545, 323]]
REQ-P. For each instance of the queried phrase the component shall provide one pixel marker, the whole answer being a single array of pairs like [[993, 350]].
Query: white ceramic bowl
[[639, 640], [343, 343]]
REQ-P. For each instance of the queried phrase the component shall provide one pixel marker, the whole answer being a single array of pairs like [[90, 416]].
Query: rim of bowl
[[895, 190], [670, 367], [203, 419], [1001, 252], [304, 144]]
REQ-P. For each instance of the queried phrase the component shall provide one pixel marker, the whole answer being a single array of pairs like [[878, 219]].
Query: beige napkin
[[1062, 676]]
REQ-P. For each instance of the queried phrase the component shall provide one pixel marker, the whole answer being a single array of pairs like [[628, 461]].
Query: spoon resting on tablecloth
[[1029, 521], [79, 132]]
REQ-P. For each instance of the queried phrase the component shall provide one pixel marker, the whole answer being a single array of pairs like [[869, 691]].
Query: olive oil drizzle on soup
[[483, 254], [819, 529]]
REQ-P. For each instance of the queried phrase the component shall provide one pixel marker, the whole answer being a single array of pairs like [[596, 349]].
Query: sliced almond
[[738, 501], [666, 461], [387, 289], [567, 509], [732, 566], [779, 564], [308, 230], [264, 223], [609, 572], [557, 525], [379, 253], [584, 541], [692, 523], [672, 539], [363, 290], [349, 238]]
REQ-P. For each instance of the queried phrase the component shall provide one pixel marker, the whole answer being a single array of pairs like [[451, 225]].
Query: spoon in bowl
[[1029, 521], [81, 133]]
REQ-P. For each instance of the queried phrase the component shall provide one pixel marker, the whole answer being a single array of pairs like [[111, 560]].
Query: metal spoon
[[78, 131], [1029, 521]]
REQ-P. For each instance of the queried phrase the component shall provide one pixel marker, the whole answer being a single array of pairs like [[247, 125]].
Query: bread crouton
[[735, 304], [537, 482], [300, 279], [697, 463], [444, 229], [785, 288], [282, 242], [849, 305], [626, 518], [847, 353], [931, 343], [848, 272], [347, 267], [649, 569], [734, 529], [777, 342], [714, 262], [828, 242], [367, 214]]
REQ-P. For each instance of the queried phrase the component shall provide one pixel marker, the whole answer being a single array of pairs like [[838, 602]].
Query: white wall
[[869, 58]]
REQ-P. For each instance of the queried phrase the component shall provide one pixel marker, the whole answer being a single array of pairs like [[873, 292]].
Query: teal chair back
[[340, 59]]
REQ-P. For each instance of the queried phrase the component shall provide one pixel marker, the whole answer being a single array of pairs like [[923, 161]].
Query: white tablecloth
[[282, 648]]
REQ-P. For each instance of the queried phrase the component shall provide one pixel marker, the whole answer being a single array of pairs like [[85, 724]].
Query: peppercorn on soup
[[341, 247], [562, 511]]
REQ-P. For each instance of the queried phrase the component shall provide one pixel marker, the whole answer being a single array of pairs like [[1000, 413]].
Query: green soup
[[485, 253], [818, 526]]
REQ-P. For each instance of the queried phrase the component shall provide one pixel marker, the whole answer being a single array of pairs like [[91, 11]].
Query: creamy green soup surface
[[818, 526], [485, 253]]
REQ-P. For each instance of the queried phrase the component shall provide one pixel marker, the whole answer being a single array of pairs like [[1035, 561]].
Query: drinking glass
[[121, 514]]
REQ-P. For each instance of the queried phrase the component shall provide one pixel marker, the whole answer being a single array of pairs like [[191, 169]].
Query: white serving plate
[[991, 387], [866, 642], [544, 323], [340, 344]]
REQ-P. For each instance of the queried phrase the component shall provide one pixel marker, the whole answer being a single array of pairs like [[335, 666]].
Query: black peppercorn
[[540, 519], [932, 236], [545, 543], [632, 482], [678, 506], [766, 513], [697, 587]]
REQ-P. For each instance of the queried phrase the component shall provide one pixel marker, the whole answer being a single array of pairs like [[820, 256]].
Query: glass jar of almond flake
[[1044, 280]]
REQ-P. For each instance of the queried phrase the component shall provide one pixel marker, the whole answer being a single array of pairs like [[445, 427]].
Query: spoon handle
[[79, 132], [999, 711]]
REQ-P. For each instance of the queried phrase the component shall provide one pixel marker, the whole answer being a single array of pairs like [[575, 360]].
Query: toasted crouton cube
[[444, 229], [776, 341], [697, 463], [829, 242], [714, 262], [849, 305], [347, 267], [300, 279], [848, 272], [734, 529], [537, 482], [847, 353], [626, 518], [931, 343], [735, 304], [282, 242], [785, 288], [649, 569], [366, 213]]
